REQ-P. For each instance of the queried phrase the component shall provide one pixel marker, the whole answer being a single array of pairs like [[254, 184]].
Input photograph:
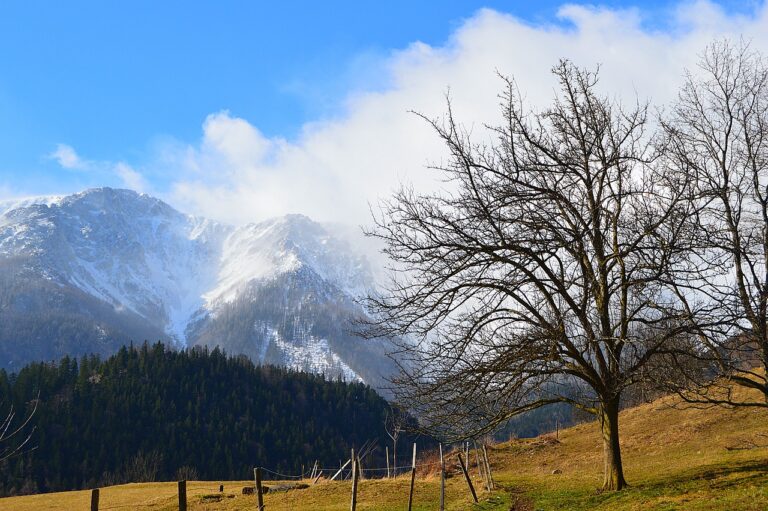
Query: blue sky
[[123, 81]]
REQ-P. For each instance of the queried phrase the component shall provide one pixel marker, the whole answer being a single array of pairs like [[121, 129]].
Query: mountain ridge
[[179, 274]]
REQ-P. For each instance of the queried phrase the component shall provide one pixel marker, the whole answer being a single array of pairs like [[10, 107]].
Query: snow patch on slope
[[308, 353], [281, 245], [252, 252], [26, 202]]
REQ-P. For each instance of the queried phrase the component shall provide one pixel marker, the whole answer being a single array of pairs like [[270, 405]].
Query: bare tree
[[718, 132], [15, 436], [143, 467], [528, 281], [187, 473], [395, 422]]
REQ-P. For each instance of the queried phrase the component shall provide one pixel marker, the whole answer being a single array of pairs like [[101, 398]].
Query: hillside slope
[[675, 457], [689, 459]]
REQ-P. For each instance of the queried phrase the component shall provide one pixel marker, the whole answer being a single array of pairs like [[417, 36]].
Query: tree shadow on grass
[[713, 477], [718, 476]]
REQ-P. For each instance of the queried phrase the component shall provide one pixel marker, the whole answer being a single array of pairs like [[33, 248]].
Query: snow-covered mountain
[[91, 271]]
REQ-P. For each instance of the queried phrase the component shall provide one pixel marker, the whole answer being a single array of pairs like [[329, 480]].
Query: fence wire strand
[[306, 475], [333, 470]]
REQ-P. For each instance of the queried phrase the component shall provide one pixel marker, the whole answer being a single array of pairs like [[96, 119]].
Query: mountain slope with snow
[[115, 265]]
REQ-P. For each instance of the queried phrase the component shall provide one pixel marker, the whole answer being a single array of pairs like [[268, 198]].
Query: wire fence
[[333, 470], [355, 472], [343, 472]]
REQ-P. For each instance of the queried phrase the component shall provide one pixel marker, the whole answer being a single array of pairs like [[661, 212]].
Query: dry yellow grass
[[674, 458], [372, 495], [689, 459]]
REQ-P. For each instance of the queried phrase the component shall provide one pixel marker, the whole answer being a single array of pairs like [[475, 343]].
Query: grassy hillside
[[690, 459]]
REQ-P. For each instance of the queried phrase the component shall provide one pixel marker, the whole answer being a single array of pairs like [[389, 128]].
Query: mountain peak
[[290, 225], [116, 199], [108, 190]]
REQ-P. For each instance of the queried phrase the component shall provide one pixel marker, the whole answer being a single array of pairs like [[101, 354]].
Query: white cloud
[[66, 156], [240, 143], [336, 166], [125, 175], [130, 177]]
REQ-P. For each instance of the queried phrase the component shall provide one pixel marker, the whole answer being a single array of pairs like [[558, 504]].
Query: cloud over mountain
[[337, 165]]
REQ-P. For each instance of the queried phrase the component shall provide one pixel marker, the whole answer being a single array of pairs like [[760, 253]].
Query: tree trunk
[[765, 370], [394, 458], [613, 472]]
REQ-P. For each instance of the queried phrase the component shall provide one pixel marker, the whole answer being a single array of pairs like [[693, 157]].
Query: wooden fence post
[[386, 448], [486, 479], [413, 478], [259, 490], [442, 480], [183, 495], [466, 476], [314, 470], [353, 505], [95, 499], [488, 469], [480, 471]]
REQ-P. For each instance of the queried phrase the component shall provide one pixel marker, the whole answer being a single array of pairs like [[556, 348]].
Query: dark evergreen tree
[[150, 412]]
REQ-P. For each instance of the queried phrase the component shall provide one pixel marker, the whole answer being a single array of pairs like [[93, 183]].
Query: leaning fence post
[[95, 499], [442, 480], [491, 483], [259, 490], [314, 470], [183, 495], [353, 505], [341, 469], [466, 476], [413, 478]]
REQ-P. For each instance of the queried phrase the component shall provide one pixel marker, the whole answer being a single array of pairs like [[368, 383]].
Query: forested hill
[[152, 413]]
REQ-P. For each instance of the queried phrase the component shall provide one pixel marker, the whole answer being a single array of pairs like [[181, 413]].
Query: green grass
[[675, 459]]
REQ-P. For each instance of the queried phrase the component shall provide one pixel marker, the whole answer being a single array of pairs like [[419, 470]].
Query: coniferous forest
[[152, 413]]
